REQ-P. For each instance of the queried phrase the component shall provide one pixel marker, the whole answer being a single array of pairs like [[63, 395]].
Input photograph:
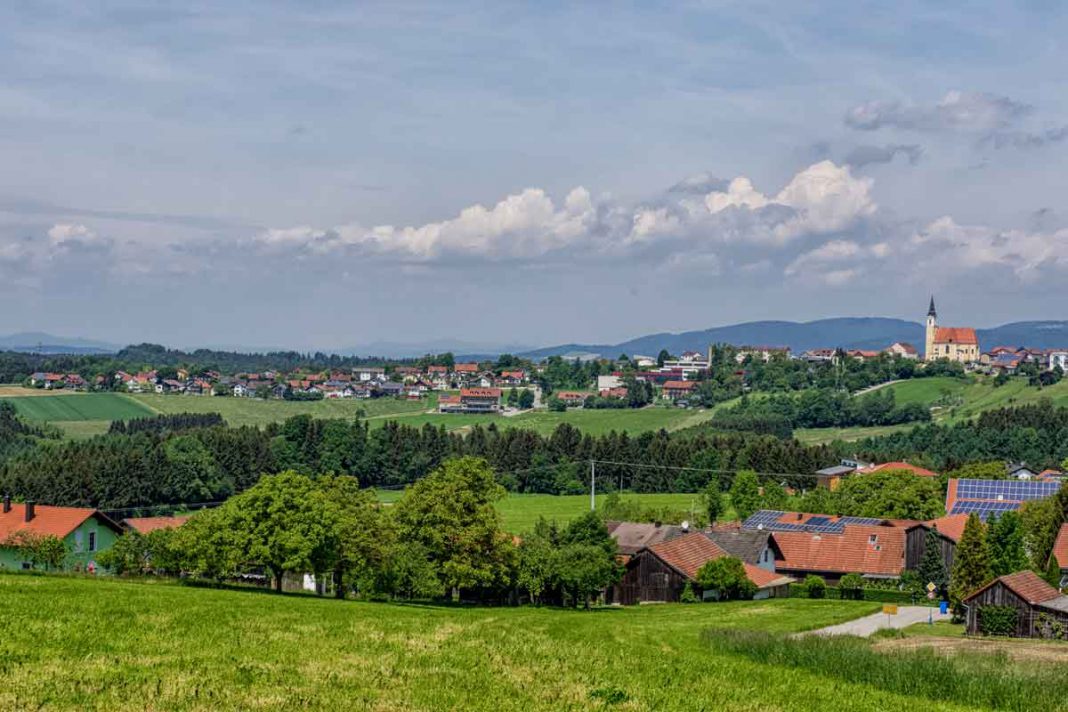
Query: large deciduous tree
[[745, 494], [451, 512]]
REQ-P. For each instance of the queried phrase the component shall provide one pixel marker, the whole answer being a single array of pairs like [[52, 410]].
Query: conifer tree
[[1007, 553], [971, 564], [932, 566]]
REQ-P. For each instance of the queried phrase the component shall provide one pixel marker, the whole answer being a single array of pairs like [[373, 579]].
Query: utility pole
[[593, 486]]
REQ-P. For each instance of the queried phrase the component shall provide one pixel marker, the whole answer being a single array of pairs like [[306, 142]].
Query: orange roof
[[1025, 584], [144, 525], [852, 551], [570, 395], [481, 392], [56, 521], [951, 525], [922, 472], [688, 553], [514, 374], [955, 335], [446, 398], [680, 385], [1060, 547], [466, 367]]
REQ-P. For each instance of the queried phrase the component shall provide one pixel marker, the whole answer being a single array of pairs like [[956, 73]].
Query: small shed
[[1041, 610]]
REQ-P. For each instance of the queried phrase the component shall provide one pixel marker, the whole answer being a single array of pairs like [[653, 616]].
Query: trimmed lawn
[[81, 644]]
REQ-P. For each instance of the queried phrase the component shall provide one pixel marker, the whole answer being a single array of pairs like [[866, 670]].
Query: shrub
[[726, 576], [815, 587], [997, 620], [851, 587]]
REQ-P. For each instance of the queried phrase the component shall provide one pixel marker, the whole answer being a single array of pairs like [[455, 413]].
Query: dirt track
[[1018, 650]]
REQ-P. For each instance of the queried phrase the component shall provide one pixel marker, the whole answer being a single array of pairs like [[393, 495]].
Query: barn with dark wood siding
[[1041, 610]]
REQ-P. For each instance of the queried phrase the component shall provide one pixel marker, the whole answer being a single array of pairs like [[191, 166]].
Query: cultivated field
[[79, 407], [519, 512], [76, 644]]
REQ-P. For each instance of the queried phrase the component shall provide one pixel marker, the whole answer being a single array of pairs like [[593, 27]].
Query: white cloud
[[69, 233], [825, 198]]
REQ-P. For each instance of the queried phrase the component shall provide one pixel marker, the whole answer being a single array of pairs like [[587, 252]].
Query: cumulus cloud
[[865, 155], [62, 234], [957, 110], [700, 184]]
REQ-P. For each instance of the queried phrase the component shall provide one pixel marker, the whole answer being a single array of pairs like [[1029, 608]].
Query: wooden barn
[[659, 573], [1041, 610]]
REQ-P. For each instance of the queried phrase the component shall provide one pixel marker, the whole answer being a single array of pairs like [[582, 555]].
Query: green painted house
[[84, 532]]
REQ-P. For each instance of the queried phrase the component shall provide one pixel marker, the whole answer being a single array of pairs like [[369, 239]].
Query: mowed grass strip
[[79, 644], [85, 406], [519, 512]]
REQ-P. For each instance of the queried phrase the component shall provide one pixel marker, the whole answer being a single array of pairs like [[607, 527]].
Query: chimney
[[7, 503], [30, 513]]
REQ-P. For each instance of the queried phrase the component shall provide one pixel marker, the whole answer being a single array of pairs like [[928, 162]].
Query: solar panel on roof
[[818, 521]]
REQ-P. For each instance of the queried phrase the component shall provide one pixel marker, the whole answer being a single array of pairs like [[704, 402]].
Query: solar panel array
[[768, 520], [993, 497]]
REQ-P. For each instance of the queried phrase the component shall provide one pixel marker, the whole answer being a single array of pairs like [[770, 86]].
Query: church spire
[[931, 311]]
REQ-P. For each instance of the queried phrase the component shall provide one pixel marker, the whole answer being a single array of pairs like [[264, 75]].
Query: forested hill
[[846, 332]]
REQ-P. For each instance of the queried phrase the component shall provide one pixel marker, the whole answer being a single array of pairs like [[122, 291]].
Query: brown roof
[[632, 537], [1060, 547], [921, 471], [679, 385], [852, 551], [1025, 584], [54, 521], [687, 553], [955, 335], [466, 368], [144, 525], [570, 395]]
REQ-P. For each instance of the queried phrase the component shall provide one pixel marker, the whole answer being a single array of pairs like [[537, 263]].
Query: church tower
[[932, 318]]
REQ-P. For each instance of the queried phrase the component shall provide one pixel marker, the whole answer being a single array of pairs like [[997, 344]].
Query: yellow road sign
[[931, 587], [890, 609]]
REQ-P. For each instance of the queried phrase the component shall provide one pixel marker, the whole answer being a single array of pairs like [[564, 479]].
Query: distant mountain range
[[38, 341], [845, 332]]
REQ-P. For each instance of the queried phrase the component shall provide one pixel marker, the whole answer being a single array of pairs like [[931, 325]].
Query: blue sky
[[320, 175]]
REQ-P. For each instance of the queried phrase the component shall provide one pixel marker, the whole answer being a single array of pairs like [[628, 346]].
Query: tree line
[[442, 539]]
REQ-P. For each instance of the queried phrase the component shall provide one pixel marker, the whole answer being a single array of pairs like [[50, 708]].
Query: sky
[[333, 175]]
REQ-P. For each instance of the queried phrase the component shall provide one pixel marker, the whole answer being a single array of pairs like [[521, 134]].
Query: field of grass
[[595, 422], [519, 512], [76, 644], [954, 400], [82, 407]]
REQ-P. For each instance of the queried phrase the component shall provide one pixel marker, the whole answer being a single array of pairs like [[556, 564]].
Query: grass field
[[519, 512], [76, 644], [954, 400], [83, 407]]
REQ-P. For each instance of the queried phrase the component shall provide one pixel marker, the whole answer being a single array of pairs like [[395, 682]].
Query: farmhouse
[[1041, 610], [677, 390], [659, 573], [632, 537], [571, 398], [902, 349], [1060, 552], [986, 497], [480, 400], [873, 551], [85, 532]]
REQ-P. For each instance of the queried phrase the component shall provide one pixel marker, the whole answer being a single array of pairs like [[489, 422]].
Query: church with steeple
[[955, 343]]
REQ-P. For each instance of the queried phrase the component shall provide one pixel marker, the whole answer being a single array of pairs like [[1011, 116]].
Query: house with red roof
[[678, 390], [1041, 609], [899, 466], [660, 572], [1060, 551], [873, 551], [85, 532]]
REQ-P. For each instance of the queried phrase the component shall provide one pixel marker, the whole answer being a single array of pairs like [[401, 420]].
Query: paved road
[[906, 616]]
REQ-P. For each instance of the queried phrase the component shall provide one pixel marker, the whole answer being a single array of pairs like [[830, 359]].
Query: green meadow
[[104, 644], [519, 512]]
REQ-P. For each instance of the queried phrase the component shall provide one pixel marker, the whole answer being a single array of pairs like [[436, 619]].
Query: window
[[92, 541], [873, 539], [26, 566], [78, 540]]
